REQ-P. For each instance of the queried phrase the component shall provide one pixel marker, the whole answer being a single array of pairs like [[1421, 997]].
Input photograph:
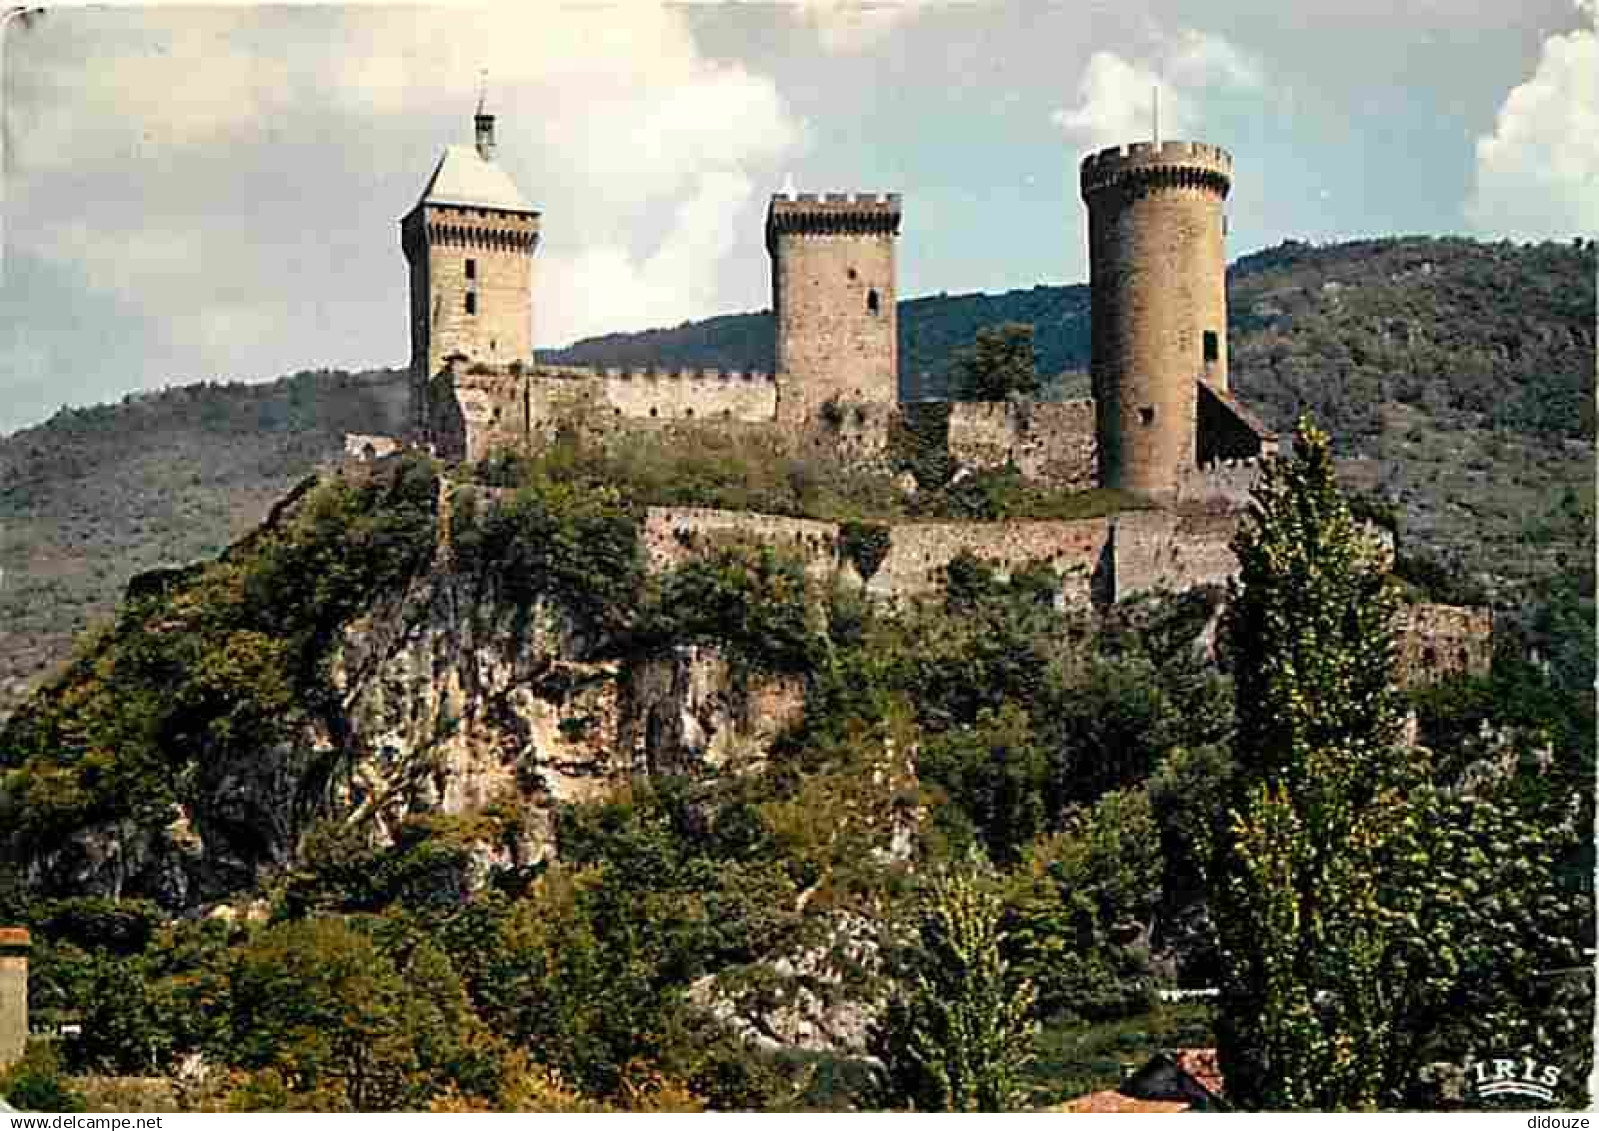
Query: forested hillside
[[95, 496]]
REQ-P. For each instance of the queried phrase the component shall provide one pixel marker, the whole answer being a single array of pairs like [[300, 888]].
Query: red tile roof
[[1203, 1065], [1115, 1103]]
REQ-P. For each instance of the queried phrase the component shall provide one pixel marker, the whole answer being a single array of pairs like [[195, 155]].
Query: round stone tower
[[1158, 271]]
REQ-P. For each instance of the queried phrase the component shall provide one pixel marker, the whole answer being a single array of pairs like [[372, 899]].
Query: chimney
[[14, 943]]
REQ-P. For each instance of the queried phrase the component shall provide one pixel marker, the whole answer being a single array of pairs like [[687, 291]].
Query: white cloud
[[846, 26], [676, 282], [1116, 94], [1537, 173], [153, 148]]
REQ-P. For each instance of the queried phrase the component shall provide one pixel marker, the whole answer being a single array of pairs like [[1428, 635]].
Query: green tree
[[999, 365], [958, 1040], [1081, 908], [319, 1008], [1319, 800]]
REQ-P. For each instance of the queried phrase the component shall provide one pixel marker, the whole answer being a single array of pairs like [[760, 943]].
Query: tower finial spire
[[484, 121], [1157, 113]]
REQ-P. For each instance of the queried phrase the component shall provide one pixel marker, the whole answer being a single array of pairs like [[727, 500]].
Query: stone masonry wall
[[691, 394], [675, 535], [1159, 550], [919, 552], [1228, 483], [917, 555], [499, 246], [14, 942], [1050, 442], [1436, 642], [1157, 267], [835, 299]]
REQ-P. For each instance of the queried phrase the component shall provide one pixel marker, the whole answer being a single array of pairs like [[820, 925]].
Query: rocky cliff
[[343, 665]]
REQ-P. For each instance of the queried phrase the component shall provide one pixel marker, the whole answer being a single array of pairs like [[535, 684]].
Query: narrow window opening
[[688, 412], [871, 302], [1146, 415], [851, 273], [1212, 346], [652, 411], [471, 268], [471, 302]]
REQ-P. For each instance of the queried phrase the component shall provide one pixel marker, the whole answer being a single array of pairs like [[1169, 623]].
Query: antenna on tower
[[482, 88], [1157, 115]]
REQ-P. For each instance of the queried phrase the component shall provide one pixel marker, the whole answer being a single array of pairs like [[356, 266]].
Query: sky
[[213, 193]]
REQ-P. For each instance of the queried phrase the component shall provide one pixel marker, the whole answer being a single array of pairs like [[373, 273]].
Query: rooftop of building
[[463, 178]]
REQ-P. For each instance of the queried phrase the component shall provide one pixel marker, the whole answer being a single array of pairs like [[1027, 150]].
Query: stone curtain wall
[[475, 412], [675, 535], [1049, 442], [1436, 642], [691, 394], [919, 552], [1159, 550], [14, 944], [1228, 484]]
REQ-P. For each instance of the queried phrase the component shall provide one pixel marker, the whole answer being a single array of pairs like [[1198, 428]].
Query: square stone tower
[[14, 943], [469, 242], [835, 299]]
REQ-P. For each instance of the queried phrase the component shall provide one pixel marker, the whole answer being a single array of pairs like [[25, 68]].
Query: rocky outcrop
[[692, 711], [823, 999], [444, 697]]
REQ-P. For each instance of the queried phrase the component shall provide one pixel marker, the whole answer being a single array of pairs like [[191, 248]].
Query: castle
[[1161, 419], [1162, 424]]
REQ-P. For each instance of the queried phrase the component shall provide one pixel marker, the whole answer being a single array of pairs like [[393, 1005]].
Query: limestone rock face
[[444, 698], [822, 999], [693, 712]]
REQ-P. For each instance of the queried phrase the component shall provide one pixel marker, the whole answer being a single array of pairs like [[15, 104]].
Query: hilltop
[[1454, 375]]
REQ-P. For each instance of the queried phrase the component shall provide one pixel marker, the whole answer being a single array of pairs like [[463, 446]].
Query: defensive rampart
[[1158, 550], [1050, 442]]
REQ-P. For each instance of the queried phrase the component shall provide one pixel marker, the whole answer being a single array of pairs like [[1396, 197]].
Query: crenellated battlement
[[709, 376], [834, 213], [1191, 164]]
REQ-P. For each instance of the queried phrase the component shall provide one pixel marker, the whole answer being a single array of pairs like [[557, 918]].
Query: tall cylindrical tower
[[1158, 271]]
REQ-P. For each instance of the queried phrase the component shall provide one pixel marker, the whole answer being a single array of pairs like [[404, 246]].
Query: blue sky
[[198, 194]]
